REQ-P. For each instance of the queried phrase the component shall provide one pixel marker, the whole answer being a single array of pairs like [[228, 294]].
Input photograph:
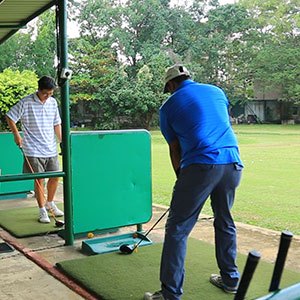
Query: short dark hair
[[46, 83], [181, 78]]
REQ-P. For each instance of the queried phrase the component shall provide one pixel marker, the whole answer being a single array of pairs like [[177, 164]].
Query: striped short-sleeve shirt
[[37, 120]]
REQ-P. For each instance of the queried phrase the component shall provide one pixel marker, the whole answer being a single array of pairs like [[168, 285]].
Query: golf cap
[[173, 72]]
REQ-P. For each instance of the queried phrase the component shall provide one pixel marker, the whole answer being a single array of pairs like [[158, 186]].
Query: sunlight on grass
[[269, 194]]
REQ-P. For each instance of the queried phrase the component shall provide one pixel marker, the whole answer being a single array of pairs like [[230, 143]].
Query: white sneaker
[[154, 296], [43, 218], [54, 209]]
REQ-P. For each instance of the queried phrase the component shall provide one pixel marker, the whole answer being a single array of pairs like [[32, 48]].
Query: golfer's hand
[[61, 148]]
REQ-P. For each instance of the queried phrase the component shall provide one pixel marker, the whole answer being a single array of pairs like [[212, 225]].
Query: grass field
[[269, 194]]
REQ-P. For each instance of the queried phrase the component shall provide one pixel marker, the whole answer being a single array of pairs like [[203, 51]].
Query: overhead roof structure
[[15, 14]]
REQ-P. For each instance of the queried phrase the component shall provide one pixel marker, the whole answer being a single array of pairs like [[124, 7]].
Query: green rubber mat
[[23, 222], [117, 276]]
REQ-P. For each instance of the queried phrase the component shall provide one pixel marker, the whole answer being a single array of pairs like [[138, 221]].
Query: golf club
[[126, 249], [58, 223]]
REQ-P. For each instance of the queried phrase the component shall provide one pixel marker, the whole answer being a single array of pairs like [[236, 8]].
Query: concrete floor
[[21, 278]]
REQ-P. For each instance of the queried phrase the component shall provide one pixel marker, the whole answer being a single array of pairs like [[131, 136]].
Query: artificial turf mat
[[23, 222], [116, 276]]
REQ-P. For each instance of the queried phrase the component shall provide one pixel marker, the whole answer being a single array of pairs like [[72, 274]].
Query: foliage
[[93, 69], [14, 85], [32, 51], [44, 46], [281, 69], [276, 62], [223, 49], [280, 18], [119, 59], [16, 52], [223, 45], [131, 104], [130, 28]]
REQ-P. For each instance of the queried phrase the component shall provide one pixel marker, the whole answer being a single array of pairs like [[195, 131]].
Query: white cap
[[173, 72]]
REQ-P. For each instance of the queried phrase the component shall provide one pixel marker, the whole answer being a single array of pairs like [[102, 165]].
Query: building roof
[[15, 14]]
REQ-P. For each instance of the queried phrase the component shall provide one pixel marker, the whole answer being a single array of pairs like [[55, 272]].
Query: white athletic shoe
[[43, 218], [54, 209], [154, 296]]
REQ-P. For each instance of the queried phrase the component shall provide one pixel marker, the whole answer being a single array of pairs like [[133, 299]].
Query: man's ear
[[171, 86]]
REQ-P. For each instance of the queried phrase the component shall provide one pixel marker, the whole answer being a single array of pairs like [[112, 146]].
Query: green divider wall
[[111, 179], [11, 163]]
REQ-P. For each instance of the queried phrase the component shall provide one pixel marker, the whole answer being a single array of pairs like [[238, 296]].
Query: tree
[[94, 68], [279, 17], [33, 49], [16, 52], [277, 60], [44, 45], [223, 48], [14, 85], [277, 65], [120, 39], [227, 45], [133, 103]]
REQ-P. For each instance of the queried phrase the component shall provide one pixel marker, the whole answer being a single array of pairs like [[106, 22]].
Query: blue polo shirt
[[197, 115]]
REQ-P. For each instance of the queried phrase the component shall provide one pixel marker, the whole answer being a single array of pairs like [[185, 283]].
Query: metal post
[[285, 241], [29, 176], [65, 103]]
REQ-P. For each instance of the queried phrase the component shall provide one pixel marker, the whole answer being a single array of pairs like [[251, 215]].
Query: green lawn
[[269, 194]]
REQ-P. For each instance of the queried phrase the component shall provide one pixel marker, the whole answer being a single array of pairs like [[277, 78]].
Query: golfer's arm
[[57, 130], [13, 127], [175, 155]]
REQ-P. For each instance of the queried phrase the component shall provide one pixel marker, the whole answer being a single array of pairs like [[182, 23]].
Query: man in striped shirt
[[41, 127]]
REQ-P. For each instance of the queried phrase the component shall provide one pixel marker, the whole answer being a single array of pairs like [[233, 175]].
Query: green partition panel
[[11, 162], [111, 179]]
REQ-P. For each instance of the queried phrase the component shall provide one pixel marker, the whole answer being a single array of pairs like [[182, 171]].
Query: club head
[[126, 249], [59, 223]]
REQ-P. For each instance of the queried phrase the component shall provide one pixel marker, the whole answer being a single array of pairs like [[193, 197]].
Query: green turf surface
[[116, 276], [23, 222], [268, 196]]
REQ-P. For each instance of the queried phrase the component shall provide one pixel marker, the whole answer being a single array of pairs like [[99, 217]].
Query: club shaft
[[151, 228], [160, 218]]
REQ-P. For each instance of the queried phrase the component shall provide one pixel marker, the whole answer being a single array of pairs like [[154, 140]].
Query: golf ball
[[90, 235]]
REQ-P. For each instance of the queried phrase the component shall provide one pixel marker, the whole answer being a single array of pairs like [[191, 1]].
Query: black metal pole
[[251, 264], [65, 104], [285, 241]]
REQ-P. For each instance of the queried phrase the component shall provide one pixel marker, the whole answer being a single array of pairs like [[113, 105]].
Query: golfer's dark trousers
[[192, 188]]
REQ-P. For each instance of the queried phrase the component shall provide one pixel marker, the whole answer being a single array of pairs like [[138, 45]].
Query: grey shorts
[[41, 164]]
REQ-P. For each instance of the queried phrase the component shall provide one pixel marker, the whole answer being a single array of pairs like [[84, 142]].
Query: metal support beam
[[65, 104], [11, 26], [27, 176]]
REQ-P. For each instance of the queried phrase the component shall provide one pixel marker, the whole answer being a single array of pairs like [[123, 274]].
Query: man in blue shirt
[[204, 153]]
